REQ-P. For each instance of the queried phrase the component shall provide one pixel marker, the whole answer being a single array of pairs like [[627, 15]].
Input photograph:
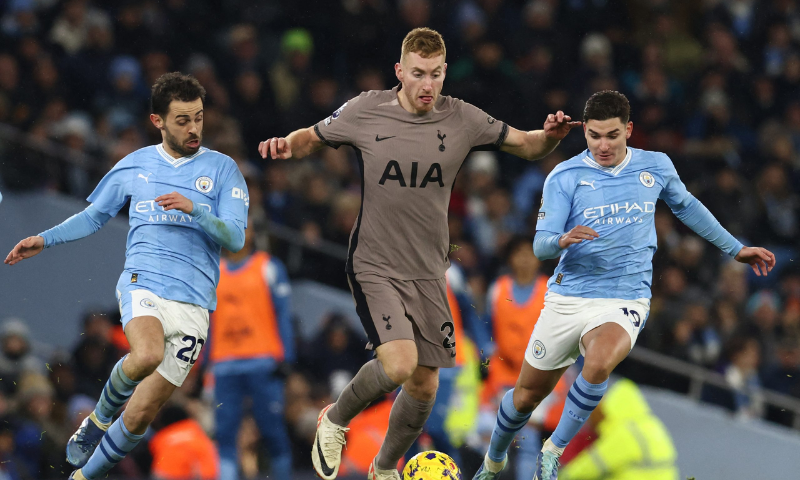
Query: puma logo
[[147, 178], [588, 184]]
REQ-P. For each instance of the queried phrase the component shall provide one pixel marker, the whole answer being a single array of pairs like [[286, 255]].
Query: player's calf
[[117, 390]]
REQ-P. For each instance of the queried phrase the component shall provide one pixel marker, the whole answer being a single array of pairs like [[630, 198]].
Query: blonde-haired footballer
[[410, 143]]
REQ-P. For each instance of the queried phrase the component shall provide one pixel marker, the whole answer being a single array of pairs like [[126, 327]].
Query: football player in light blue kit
[[597, 215], [186, 202]]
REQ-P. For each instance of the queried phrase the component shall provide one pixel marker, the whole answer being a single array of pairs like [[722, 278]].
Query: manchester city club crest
[[538, 349], [647, 179], [147, 303], [204, 184]]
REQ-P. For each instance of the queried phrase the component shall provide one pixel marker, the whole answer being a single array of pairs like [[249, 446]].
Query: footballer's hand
[[757, 257], [277, 148], [175, 201], [577, 235], [557, 126], [25, 249]]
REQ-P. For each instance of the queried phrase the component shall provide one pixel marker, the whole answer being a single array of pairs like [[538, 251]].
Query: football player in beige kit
[[410, 142]]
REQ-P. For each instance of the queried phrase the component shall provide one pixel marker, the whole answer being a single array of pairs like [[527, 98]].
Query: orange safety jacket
[[245, 325], [512, 325]]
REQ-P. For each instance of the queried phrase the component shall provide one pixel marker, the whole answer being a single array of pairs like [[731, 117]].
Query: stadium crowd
[[714, 84]]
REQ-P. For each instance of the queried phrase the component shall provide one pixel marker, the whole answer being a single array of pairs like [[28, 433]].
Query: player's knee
[[145, 362], [596, 370], [399, 369], [527, 399]]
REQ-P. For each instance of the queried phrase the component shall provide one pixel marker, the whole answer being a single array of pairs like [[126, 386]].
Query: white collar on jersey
[[177, 162], [612, 170]]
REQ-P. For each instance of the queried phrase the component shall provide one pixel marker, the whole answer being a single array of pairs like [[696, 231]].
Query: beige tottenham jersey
[[408, 166]]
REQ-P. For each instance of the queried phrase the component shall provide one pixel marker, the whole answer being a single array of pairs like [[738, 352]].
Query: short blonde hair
[[425, 42]]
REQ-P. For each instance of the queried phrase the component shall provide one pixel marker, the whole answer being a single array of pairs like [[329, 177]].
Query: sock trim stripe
[[128, 435], [108, 457], [510, 421], [111, 402], [127, 381], [579, 404], [114, 446], [509, 429], [594, 398], [114, 391]]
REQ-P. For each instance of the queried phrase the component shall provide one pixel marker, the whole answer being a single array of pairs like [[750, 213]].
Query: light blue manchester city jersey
[[167, 252], [619, 204]]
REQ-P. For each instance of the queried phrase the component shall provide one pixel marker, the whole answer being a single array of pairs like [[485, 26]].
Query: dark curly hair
[[174, 86], [607, 104]]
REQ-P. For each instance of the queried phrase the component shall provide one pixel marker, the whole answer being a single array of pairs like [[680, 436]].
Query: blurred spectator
[[252, 348], [513, 305], [762, 312], [694, 337], [730, 189], [71, 28], [741, 373], [784, 375], [94, 356], [181, 449], [780, 207], [253, 105], [289, 75], [337, 355], [203, 69], [16, 354]]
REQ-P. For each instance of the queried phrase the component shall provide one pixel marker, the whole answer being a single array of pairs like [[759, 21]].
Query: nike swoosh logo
[[326, 470], [379, 139]]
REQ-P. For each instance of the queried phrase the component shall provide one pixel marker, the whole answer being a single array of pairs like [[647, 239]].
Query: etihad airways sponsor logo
[[619, 213], [157, 214]]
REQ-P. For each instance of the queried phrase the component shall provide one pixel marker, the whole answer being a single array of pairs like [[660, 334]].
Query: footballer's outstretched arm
[[74, 228], [696, 216], [297, 144], [538, 143]]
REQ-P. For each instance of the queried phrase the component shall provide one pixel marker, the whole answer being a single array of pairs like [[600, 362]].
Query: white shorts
[[556, 340], [185, 329]]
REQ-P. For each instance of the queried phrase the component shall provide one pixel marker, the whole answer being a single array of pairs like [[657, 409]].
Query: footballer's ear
[[157, 121], [398, 72], [628, 130]]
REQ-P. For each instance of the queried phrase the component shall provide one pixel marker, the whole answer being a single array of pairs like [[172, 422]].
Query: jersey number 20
[[199, 342]]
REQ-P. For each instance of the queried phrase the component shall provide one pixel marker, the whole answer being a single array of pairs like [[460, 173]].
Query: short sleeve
[[234, 200], [556, 203], [485, 132], [674, 192], [112, 193], [342, 125]]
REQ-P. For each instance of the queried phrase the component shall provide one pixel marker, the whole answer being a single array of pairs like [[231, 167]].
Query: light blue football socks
[[509, 422], [117, 391], [582, 399], [116, 443]]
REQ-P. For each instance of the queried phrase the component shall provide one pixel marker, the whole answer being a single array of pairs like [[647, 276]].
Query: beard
[[181, 148]]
